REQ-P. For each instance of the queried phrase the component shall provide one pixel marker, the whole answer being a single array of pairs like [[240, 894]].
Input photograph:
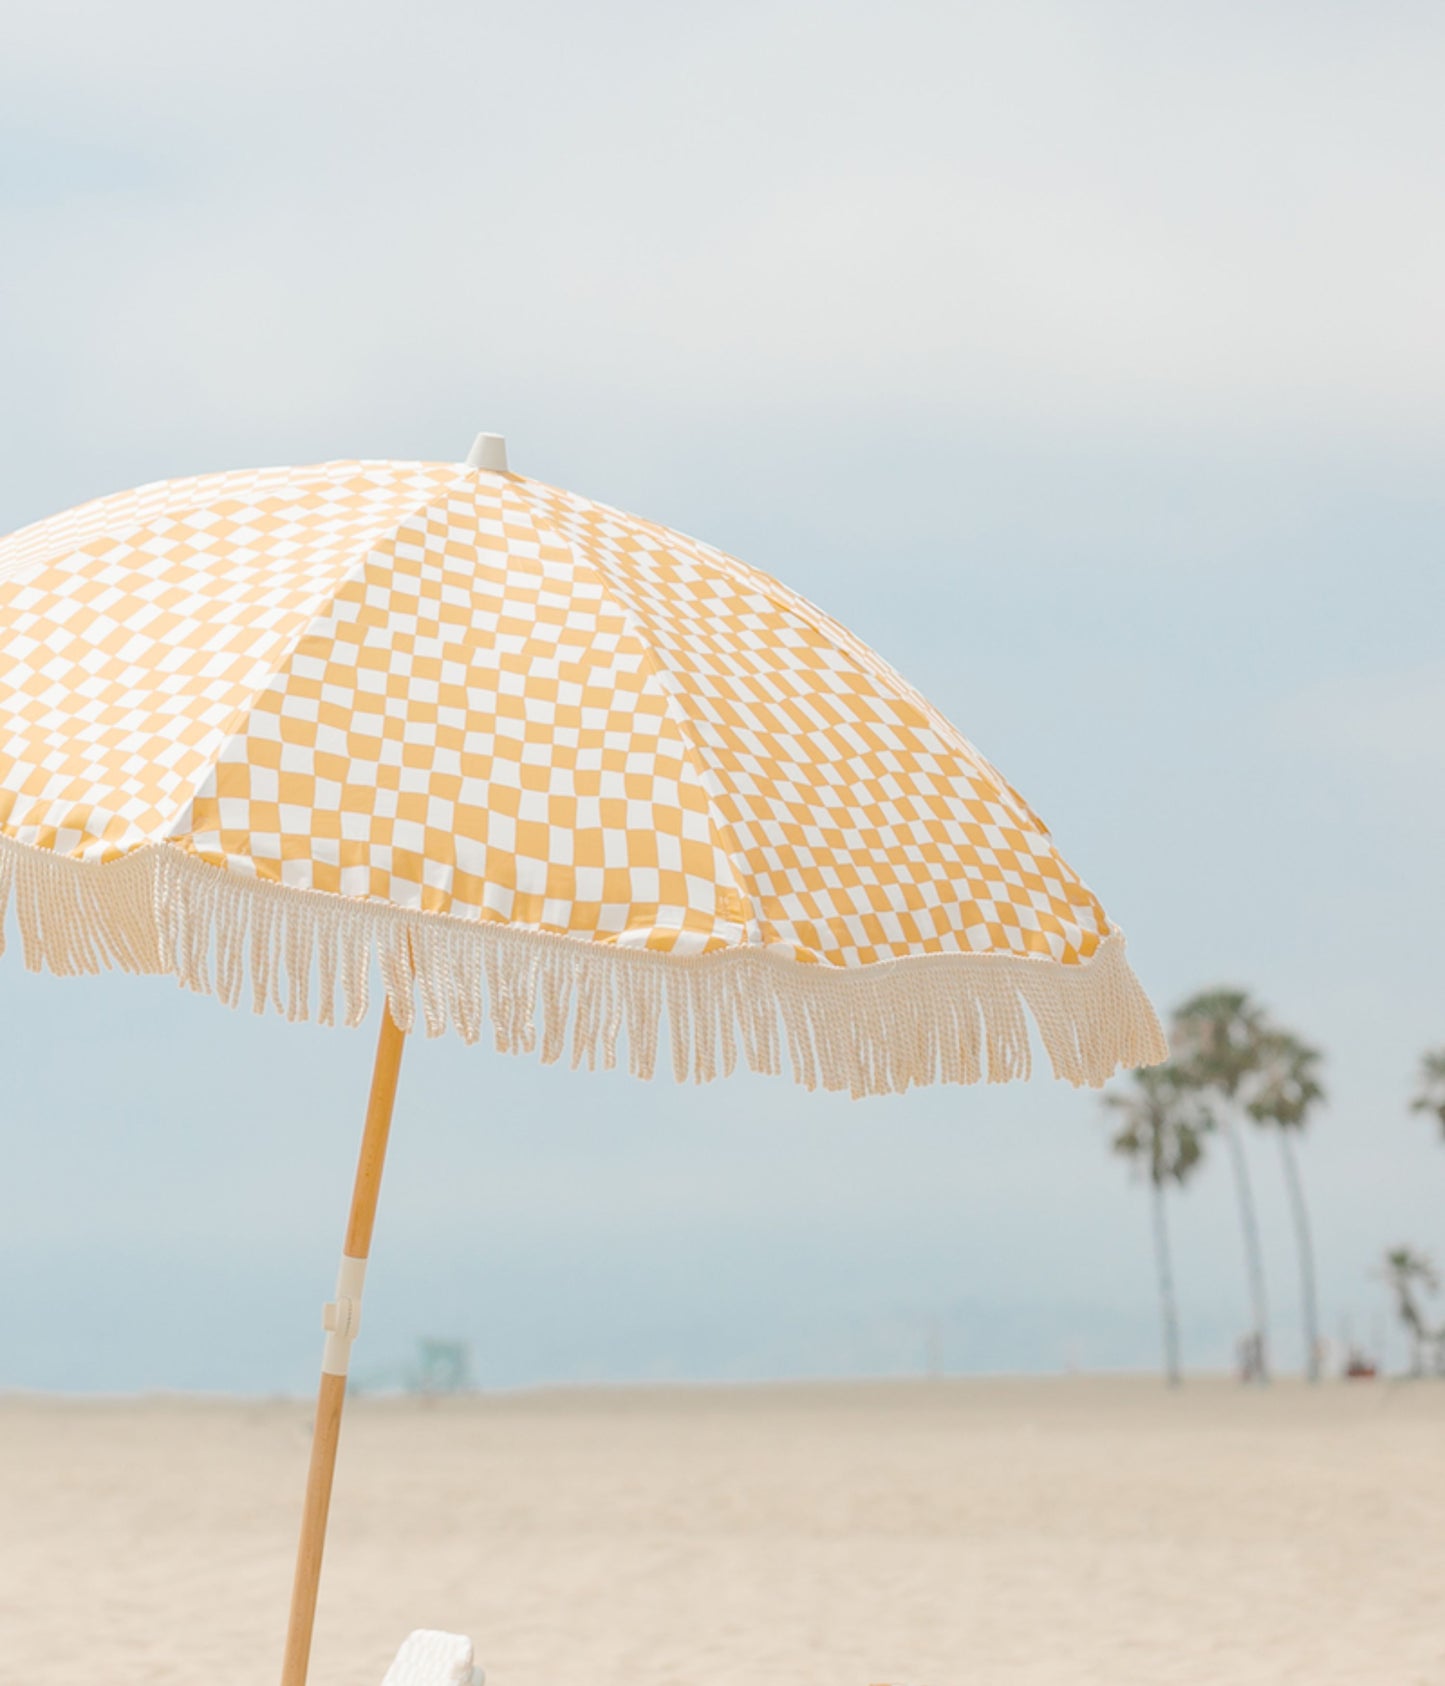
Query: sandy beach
[[1082, 1531]]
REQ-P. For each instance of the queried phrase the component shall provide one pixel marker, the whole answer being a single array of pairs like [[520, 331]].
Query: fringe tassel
[[877, 1030]]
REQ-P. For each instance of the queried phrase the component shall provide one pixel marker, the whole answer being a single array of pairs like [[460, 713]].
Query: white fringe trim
[[878, 1029]]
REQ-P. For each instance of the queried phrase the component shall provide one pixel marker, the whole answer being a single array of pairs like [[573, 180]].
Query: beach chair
[[429, 1658]]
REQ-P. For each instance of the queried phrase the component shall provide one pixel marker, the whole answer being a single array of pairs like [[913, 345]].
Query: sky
[[1084, 359]]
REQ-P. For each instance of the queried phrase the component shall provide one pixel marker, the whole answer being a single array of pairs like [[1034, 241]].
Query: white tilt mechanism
[[341, 1319], [489, 450]]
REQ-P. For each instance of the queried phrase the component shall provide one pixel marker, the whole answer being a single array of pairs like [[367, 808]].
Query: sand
[[920, 1534]]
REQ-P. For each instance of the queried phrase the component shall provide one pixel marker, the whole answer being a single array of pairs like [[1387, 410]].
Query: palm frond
[[1285, 1085], [1430, 1095], [1162, 1123]]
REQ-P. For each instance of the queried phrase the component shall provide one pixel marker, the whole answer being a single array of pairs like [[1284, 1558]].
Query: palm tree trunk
[[1309, 1310], [1249, 1223], [1168, 1312]]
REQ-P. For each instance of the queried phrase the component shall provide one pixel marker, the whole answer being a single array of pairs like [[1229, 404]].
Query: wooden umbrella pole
[[342, 1319]]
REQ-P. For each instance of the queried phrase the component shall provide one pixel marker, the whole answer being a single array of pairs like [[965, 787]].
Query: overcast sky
[[1084, 358]]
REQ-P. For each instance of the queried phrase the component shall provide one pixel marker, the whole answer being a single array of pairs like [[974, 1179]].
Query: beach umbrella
[[539, 765]]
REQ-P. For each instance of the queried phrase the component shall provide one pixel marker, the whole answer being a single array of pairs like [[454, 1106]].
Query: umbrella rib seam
[[708, 780]]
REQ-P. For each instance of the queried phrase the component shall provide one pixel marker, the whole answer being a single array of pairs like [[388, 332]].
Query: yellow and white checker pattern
[[465, 692]]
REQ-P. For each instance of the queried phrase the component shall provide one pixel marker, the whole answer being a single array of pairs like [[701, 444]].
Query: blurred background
[[1085, 360]]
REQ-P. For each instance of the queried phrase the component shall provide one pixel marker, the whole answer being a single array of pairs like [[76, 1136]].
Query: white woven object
[[430, 1658]]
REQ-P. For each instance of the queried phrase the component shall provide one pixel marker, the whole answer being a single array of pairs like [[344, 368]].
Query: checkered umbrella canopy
[[552, 765]]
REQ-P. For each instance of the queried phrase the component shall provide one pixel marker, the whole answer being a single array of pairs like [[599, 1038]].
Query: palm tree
[[1430, 1096], [1162, 1124], [1283, 1091], [1407, 1271], [1216, 1040]]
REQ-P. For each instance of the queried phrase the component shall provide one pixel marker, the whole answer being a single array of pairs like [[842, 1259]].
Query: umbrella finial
[[489, 450]]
